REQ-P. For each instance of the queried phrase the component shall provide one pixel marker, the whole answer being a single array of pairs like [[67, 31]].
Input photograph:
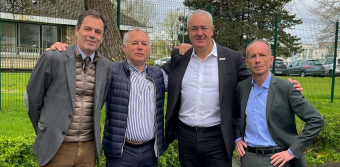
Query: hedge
[[17, 151]]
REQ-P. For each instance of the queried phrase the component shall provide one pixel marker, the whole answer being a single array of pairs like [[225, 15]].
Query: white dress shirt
[[200, 94]]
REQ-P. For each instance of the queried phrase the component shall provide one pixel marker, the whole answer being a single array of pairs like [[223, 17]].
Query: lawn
[[14, 120]]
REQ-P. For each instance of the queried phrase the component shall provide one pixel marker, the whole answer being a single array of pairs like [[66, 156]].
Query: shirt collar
[[213, 51], [83, 55], [134, 68], [265, 83]]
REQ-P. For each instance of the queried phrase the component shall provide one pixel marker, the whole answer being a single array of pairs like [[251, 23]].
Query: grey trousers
[[256, 160]]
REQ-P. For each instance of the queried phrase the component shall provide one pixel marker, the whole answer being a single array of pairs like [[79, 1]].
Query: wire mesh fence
[[29, 28]]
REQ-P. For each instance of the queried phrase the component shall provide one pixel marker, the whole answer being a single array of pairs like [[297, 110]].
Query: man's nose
[[257, 59], [139, 46], [92, 34], [200, 32]]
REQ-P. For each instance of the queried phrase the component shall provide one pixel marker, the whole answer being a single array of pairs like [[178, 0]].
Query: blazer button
[[69, 116], [63, 133]]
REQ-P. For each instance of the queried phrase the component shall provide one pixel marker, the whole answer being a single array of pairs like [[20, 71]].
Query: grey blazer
[[283, 103], [51, 94]]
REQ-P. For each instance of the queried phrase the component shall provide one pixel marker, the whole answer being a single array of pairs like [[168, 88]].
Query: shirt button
[[255, 109], [254, 123], [256, 136]]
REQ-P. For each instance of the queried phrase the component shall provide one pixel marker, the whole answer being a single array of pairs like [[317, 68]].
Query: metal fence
[[29, 28]]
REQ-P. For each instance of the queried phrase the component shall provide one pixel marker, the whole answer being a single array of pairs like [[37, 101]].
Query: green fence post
[[275, 41], [118, 14], [210, 9], [334, 61]]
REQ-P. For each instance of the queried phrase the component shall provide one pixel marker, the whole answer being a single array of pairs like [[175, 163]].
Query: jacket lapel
[[244, 99], [222, 68], [100, 71], [271, 94], [70, 65], [183, 64]]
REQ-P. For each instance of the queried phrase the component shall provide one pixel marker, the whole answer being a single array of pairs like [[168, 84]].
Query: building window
[[49, 35], [29, 35], [8, 35]]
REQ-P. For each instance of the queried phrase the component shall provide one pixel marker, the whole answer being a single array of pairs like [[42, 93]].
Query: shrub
[[170, 156], [17, 151], [151, 63]]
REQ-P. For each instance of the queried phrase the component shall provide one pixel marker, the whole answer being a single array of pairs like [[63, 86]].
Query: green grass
[[14, 120]]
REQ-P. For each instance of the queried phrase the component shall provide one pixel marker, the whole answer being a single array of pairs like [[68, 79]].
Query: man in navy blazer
[[265, 119]]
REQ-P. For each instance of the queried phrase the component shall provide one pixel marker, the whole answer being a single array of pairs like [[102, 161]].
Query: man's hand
[[296, 84], [183, 48], [281, 157], [58, 45], [240, 145]]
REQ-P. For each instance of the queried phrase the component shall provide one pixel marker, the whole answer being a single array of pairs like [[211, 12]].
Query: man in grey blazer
[[265, 129], [65, 94]]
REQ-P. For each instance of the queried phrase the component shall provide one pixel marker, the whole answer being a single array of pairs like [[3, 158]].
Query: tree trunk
[[112, 44]]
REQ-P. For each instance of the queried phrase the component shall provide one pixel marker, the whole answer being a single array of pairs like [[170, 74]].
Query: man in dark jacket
[[133, 133]]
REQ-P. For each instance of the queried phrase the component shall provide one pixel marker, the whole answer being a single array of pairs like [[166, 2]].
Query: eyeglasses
[[196, 28]]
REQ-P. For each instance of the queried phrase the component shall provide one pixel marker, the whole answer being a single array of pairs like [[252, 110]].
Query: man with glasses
[[201, 96], [201, 91]]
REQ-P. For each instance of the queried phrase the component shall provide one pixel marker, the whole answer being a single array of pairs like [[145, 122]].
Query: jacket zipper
[[155, 121]]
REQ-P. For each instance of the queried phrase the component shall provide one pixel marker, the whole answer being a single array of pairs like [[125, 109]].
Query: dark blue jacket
[[117, 109]]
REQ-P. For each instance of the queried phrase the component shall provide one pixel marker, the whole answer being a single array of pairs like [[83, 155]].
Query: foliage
[[151, 63], [170, 156], [17, 151], [171, 25], [239, 22]]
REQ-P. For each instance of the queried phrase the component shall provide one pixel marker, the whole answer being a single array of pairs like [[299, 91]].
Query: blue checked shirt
[[142, 106]]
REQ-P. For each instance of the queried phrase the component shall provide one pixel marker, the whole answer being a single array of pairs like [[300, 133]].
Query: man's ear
[[76, 30]]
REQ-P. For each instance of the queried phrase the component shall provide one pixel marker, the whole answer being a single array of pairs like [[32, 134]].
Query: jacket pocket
[[41, 126]]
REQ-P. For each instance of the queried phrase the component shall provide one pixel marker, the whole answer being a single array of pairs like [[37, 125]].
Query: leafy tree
[[238, 22], [171, 27]]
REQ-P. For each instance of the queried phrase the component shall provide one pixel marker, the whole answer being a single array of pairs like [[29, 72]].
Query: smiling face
[[259, 58], [137, 48], [200, 31], [90, 34]]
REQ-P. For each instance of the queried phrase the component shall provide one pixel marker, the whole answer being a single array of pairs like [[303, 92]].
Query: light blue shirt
[[256, 131], [84, 55]]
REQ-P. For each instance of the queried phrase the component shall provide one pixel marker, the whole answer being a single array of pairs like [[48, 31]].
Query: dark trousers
[[257, 160], [203, 148], [134, 157]]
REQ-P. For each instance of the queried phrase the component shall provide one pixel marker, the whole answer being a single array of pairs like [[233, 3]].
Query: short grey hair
[[259, 40], [200, 12], [127, 34]]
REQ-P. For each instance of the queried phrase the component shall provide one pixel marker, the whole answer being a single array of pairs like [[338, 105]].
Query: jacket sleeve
[[237, 116], [36, 88], [310, 115]]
